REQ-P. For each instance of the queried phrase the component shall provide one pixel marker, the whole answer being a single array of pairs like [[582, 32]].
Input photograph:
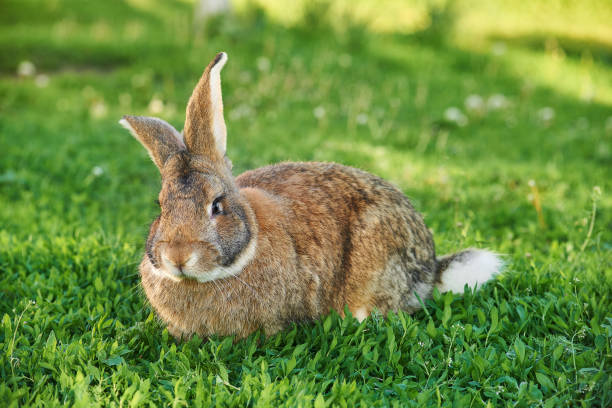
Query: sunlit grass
[[587, 20]]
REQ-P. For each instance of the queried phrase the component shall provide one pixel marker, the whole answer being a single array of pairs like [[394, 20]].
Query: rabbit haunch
[[280, 244]]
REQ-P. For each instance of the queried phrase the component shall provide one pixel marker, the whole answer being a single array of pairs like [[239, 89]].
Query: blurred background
[[493, 116]]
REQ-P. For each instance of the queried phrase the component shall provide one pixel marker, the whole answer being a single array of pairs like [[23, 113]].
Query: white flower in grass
[[263, 64], [362, 119], [319, 112], [587, 93], [156, 106], [546, 114], [499, 48], [98, 110], [26, 69], [41, 80], [454, 115], [474, 103], [97, 171], [240, 111], [497, 102]]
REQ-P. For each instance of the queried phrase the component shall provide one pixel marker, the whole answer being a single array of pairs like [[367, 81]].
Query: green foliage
[[522, 166]]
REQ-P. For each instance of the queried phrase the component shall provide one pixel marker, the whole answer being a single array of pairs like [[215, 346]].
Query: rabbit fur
[[281, 244]]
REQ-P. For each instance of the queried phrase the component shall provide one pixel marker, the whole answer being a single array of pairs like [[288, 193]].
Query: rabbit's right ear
[[205, 131], [157, 136]]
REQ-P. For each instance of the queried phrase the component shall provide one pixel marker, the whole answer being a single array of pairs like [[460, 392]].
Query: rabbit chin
[[193, 272]]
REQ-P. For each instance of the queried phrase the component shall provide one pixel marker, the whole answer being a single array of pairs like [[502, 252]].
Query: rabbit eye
[[216, 207]]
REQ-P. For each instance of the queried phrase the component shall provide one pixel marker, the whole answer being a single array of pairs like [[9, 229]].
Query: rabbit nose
[[178, 256]]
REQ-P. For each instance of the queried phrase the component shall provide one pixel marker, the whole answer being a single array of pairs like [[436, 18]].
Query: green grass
[[77, 193]]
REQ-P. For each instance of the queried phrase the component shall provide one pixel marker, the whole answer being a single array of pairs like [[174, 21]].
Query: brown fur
[[327, 236]]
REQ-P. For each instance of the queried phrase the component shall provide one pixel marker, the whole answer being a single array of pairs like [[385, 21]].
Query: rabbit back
[[359, 235]]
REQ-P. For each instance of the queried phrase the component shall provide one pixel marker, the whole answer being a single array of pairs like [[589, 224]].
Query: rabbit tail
[[470, 267]]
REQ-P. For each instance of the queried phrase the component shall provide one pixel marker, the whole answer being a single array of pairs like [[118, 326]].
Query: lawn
[[495, 118]]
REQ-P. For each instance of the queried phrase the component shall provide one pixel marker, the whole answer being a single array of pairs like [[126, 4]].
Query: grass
[[527, 173]]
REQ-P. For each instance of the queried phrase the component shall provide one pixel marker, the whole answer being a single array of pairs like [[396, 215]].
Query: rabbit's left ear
[[205, 131], [157, 136]]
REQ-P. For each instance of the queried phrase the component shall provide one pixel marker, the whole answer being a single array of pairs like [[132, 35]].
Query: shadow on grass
[[574, 47]]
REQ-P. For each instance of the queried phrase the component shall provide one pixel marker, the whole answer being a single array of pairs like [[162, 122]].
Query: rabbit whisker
[[220, 291], [250, 287], [225, 284]]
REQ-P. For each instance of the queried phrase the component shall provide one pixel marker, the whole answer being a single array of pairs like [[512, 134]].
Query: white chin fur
[[165, 275], [234, 269], [474, 269]]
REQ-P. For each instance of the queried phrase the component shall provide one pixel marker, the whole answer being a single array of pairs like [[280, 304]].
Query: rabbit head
[[205, 230]]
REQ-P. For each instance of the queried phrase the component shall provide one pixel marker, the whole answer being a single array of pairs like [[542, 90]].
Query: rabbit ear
[[157, 136], [205, 131]]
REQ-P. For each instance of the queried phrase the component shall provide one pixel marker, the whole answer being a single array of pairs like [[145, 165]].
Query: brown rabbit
[[284, 243]]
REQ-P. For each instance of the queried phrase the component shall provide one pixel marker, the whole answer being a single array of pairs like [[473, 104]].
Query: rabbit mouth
[[173, 275], [177, 272]]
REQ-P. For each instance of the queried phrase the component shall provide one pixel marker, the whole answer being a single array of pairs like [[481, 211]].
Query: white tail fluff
[[472, 267]]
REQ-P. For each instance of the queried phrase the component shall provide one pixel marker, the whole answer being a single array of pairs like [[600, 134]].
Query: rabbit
[[280, 244]]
